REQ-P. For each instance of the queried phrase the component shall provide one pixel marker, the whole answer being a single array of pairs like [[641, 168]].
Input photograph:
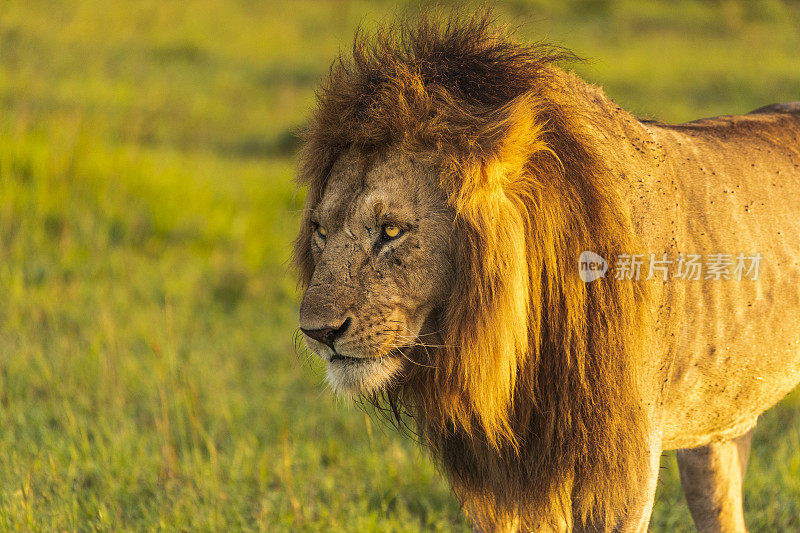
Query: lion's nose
[[327, 335]]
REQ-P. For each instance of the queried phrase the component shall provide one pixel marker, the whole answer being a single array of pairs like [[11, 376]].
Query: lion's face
[[380, 246]]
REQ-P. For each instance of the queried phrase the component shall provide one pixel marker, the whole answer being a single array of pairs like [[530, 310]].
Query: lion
[[454, 179]]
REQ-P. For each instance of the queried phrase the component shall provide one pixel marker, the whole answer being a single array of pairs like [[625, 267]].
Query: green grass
[[148, 368]]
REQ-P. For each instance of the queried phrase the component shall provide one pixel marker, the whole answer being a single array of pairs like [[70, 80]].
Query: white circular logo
[[591, 266]]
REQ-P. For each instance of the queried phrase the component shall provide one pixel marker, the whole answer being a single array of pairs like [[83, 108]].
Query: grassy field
[[149, 377]]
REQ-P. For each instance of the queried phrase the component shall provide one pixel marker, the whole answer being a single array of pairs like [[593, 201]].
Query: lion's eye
[[390, 231], [321, 231]]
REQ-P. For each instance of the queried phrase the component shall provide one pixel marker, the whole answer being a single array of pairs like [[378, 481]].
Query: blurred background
[[149, 376]]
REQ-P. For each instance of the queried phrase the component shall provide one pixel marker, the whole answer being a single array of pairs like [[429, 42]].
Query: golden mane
[[533, 401]]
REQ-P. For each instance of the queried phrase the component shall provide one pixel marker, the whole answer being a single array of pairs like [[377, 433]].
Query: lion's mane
[[533, 402]]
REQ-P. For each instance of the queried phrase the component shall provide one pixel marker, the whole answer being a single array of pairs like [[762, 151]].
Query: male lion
[[454, 180]]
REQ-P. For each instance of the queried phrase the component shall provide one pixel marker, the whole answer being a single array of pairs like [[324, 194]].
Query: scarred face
[[381, 251]]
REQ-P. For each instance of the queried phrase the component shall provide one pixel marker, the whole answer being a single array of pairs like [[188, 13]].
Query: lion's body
[[455, 178], [736, 348], [725, 350]]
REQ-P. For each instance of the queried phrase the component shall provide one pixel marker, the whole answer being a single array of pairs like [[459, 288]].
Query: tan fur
[[546, 400]]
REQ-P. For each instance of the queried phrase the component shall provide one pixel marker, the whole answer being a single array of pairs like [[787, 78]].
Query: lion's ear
[[488, 315]]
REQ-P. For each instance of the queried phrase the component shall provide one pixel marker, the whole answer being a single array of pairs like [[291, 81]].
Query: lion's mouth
[[336, 357]]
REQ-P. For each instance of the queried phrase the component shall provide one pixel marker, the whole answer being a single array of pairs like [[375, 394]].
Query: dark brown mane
[[533, 404]]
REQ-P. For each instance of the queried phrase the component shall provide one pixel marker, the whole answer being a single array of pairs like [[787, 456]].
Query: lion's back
[[786, 107]]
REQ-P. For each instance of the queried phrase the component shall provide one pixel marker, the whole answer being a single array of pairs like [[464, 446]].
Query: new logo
[[591, 266]]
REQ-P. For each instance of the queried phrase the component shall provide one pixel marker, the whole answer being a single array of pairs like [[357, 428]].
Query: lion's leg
[[712, 478], [639, 517]]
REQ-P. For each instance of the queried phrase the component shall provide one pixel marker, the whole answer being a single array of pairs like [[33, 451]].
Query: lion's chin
[[363, 376]]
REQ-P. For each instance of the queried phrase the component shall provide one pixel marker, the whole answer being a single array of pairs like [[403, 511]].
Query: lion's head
[[451, 191], [382, 266]]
